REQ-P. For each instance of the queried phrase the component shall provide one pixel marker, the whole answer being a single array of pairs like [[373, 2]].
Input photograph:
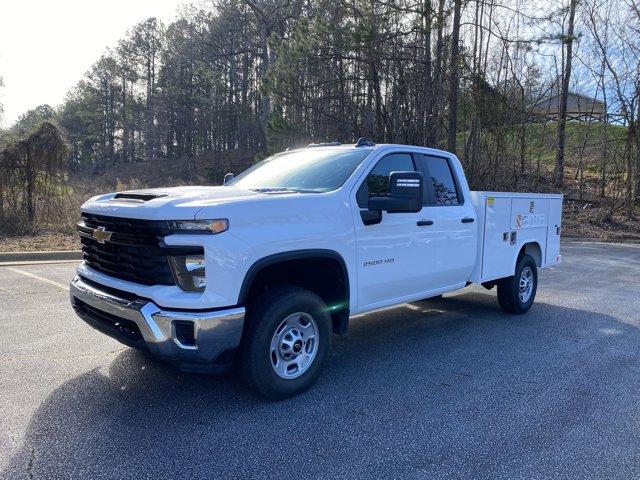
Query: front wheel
[[516, 293], [286, 342]]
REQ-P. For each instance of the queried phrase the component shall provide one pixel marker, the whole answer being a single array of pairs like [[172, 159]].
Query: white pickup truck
[[259, 272]]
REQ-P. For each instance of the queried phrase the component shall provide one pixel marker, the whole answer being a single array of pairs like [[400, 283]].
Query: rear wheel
[[286, 342], [516, 293]]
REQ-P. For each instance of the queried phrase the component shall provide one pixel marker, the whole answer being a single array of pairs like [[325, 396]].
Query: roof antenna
[[364, 142]]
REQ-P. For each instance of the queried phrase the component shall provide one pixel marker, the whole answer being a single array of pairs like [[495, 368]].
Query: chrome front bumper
[[213, 335]]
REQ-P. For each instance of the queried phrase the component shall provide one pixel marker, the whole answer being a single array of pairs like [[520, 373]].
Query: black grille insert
[[185, 333], [120, 328], [134, 250]]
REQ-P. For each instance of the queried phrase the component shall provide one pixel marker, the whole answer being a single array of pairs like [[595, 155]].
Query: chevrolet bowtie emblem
[[101, 235]]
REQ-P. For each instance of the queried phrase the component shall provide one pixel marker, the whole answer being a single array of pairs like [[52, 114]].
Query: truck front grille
[[135, 251]]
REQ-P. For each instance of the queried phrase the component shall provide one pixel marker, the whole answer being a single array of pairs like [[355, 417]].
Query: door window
[[440, 180], [377, 182]]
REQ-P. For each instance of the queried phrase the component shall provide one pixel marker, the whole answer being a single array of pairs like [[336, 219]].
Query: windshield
[[311, 170]]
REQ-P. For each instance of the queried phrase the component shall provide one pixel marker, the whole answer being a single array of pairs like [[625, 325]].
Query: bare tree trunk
[[580, 172], [125, 125], [562, 117], [434, 130], [637, 162], [605, 142], [428, 70], [628, 197], [150, 150], [454, 81], [265, 21], [30, 175], [265, 104]]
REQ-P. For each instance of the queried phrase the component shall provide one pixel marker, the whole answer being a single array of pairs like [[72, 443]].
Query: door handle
[[423, 223], [468, 220]]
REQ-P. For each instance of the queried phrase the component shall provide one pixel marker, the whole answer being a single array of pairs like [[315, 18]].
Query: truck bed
[[509, 220]]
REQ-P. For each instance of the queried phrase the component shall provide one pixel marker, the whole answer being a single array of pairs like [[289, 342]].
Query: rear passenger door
[[453, 234]]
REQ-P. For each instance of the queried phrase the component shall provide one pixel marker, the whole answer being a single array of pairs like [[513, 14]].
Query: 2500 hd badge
[[371, 263]]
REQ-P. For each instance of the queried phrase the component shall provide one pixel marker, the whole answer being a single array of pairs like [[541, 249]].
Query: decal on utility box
[[529, 213], [528, 220]]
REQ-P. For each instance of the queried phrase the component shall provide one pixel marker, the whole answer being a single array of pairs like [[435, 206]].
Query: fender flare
[[276, 258], [522, 245]]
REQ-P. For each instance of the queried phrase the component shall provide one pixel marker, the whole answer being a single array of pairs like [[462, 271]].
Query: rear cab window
[[440, 183]]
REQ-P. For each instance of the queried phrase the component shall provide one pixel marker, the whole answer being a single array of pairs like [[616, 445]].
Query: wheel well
[[324, 274], [532, 249]]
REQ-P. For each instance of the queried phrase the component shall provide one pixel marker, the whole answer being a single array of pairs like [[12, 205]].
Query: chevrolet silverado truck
[[258, 273]]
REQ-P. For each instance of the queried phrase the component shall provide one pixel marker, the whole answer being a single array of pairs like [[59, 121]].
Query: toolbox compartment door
[[496, 255], [553, 232]]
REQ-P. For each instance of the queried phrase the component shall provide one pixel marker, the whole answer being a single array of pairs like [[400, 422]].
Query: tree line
[[258, 76]]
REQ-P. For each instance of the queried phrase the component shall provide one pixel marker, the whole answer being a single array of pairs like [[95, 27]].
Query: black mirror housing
[[228, 177], [405, 194]]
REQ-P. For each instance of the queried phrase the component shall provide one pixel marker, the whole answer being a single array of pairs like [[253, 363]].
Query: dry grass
[[58, 232], [41, 242]]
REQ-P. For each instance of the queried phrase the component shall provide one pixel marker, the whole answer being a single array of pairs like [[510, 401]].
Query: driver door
[[393, 256]]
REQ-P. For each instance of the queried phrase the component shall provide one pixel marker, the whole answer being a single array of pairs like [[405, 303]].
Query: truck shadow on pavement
[[415, 379]]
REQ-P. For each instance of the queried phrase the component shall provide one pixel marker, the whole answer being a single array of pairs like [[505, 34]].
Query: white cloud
[[46, 46]]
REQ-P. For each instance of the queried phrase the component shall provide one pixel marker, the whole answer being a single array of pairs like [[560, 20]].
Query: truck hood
[[176, 203]]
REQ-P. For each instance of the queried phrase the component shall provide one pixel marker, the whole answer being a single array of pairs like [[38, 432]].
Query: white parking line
[[38, 277]]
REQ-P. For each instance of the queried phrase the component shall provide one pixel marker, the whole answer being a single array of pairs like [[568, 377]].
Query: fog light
[[189, 272]]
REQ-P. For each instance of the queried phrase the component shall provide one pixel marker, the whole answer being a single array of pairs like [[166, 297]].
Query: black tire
[[509, 288], [264, 316]]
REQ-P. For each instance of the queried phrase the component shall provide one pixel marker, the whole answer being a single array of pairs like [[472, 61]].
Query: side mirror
[[405, 194], [228, 177]]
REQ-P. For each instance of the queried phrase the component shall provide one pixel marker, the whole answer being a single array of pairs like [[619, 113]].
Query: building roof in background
[[579, 106]]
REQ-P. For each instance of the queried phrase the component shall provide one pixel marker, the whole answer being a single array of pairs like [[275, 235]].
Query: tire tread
[[508, 288], [263, 307]]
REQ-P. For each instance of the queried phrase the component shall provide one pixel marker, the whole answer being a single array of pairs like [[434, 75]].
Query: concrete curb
[[36, 262], [600, 240], [57, 256]]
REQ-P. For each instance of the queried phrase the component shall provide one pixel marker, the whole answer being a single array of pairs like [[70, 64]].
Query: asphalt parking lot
[[450, 388]]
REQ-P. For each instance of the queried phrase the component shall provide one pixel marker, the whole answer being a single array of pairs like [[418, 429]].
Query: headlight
[[214, 226], [189, 272]]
